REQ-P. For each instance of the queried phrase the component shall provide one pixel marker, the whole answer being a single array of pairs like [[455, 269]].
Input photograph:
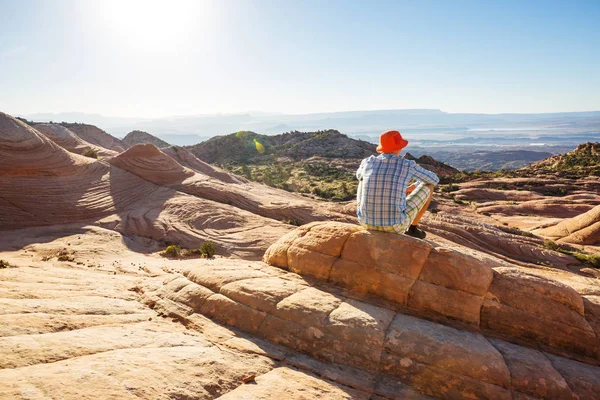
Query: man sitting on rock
[[385, 201]]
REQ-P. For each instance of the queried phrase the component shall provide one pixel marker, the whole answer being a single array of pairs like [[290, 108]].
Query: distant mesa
[[140, 137]]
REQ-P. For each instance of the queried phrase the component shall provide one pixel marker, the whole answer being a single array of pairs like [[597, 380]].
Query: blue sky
[[154, 59]]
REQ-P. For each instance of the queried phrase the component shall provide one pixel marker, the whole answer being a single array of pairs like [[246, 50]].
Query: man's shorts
[[414, 203]]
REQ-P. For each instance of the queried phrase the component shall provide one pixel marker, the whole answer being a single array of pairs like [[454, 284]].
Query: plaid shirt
[[381, 196]]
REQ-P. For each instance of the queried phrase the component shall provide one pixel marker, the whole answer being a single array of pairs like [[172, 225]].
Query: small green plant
[[207, 249], [449, 188], [551, 245], [172, 251], [587, 258], [512, 203], [459, 201], [4, 264], [524, 233], [91, 153], [590, 259], [294, 222]]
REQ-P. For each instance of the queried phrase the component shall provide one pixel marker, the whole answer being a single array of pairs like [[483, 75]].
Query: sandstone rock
[[397, 254], [453, 270], [445, 348], [308, 307], [97, 136], [583, 379], [148, 162], [286, 383], [438, 300], [218, 276], [443, 284], [261, 293], [532, 373], [582, 229], [68, 140], [232, 313]]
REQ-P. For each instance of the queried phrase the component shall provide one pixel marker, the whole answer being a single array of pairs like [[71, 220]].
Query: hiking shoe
[[416, 232]]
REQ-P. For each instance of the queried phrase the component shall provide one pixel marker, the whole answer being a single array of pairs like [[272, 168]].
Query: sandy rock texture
[[433, 280], [409, 350], [68, 140], [73, 332], [142, 192], [582, 229], [150, 163], [97, 136]]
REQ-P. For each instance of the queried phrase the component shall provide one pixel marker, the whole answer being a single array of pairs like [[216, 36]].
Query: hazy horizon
[[153, 59]]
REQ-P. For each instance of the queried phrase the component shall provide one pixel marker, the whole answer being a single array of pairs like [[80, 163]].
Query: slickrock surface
[[426, 278], [416, 316], [582, 229], [150, 163], [97, 136], [505, 243], [187, 159], [77, 331], [68, 140]]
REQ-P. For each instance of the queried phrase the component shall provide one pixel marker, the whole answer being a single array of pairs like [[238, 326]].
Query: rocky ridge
[[140, 137]]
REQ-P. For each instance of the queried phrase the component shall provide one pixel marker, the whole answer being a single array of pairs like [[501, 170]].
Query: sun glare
[[149, 25]]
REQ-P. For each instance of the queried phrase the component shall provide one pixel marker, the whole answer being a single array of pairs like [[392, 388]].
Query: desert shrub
[[91, 153], [449, 188], [3, 264], [294, 222], [590, 259], [551, 245], [523, 233], [64, 255], [172, 251], [207, 249], [587, 258]]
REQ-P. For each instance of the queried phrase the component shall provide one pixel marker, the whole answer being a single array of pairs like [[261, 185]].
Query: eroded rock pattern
[[417, 343], [442, 282]]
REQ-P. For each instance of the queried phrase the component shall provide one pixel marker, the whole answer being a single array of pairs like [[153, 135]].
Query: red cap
[[390, 142]]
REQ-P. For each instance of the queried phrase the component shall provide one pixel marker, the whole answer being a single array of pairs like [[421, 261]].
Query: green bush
[[294, 222], [449, 188], [207, 249], [551, 245], [172, 251]]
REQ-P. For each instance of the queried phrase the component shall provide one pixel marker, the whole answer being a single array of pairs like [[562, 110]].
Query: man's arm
[[360, 171], [424, 175]]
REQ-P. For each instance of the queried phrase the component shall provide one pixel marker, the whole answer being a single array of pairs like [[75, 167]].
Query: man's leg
[[425, 206], [416, 205]]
